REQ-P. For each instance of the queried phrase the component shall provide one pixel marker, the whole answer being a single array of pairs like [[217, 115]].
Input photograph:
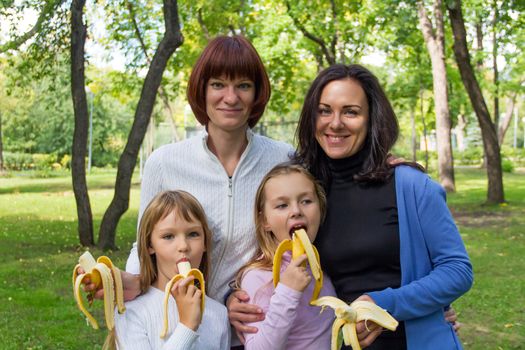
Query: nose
[[182, 244], [295, 210], [230, 95], [336, 122]]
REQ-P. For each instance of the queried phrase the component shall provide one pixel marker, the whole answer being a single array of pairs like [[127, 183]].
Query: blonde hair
[[266, 240], [187, 207]]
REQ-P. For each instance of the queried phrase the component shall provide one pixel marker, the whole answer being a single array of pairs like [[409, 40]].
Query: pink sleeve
[[279, 305]]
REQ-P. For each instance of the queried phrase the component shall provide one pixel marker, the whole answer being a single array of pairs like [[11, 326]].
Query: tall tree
[[495, 192], [170, 42], [435, 41], [336, 31], [78, 159]]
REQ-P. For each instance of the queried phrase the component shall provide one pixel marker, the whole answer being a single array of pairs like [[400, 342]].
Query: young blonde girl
[[287, 198], [172, 228]]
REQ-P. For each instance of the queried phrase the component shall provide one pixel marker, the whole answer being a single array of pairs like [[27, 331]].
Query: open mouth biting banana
[[348, 315], [299, 245], [185, 270], [100, 272]]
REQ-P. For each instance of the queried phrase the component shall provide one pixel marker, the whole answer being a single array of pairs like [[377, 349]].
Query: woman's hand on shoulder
[[296, 276], [367, 332], [240, 312], [188, 299]]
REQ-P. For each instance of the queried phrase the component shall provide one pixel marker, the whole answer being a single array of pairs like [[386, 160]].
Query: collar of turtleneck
[[346, 168]]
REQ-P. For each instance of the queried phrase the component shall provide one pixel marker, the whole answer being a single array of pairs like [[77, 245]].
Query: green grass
[[493, 312], [39, 246]]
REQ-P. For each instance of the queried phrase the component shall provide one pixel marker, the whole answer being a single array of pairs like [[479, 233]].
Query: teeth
[[346, 317], [299, 245], [100, 272], [336, 138], [185, 270]]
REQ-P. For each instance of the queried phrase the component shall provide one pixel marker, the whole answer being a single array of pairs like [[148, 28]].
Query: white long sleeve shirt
[[228, 202], [140, 326]]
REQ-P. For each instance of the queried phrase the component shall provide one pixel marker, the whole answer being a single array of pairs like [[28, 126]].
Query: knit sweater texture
[[140, 326], [190, 166]]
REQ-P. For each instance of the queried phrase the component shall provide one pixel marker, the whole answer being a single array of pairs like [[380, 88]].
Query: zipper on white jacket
[[229, 225]]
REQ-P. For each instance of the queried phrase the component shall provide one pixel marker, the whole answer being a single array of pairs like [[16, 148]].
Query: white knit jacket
[[190, 166]]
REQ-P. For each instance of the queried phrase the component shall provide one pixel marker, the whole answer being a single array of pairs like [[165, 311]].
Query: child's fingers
[[188, 280], [299, 260], [241, 328]]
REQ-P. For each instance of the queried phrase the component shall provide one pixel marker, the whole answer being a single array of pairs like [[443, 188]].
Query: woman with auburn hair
[[228, 91]]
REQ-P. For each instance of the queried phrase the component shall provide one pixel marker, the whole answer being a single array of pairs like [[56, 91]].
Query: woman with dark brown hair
[[388, 236]]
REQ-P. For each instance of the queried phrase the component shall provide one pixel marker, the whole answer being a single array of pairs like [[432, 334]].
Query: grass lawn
[[39, 246]]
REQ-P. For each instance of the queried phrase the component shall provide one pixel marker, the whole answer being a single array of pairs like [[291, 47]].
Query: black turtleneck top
[[359, 239]]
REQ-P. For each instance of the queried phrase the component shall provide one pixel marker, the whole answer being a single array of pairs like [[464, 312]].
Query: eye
[[216, 85], [323, 111], [350, 112], [281, 206], [194, 234], [307, 201], [167, 236], [245, 86]]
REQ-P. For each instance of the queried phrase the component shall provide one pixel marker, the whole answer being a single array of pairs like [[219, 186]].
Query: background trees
[[295, 39]]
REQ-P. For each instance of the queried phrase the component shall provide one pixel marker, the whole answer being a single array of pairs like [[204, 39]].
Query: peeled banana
[[348, 315], [299, 245], [100, 272], [185, 270]]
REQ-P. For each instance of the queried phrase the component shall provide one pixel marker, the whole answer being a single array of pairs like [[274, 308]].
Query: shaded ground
[[475, 219]]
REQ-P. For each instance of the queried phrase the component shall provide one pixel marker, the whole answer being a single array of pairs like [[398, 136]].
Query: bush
[[44, 161], [470, 156], [507, 166], [18, 161], [27, 161]]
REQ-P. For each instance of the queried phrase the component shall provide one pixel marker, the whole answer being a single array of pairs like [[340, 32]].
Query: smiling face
[[229, 102], [172, 239], [291, 202], [342, 118]]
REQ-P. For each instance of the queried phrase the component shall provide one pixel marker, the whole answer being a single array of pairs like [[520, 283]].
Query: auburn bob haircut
[[233, 57]]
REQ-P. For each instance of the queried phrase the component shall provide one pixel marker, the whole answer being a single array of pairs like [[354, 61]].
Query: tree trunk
[[327, 49], [78, 159], [435, 41], [2, 168], [413, 123], [479, 41], [170, 42], [488, 130], [504, 125], [460, 132], [421, 91], [495, 63]]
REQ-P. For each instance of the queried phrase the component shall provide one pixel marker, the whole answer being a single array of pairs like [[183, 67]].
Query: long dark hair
[[383, 128]]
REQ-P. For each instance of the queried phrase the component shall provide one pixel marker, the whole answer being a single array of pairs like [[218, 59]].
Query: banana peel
[[101, 272], [347, 316], [185, 270], [299, 245]]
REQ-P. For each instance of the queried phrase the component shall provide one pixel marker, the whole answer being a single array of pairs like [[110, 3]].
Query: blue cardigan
[[435, 268]]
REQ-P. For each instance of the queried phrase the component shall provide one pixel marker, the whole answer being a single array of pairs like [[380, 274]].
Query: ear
[[265, 224], [151, 250]]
